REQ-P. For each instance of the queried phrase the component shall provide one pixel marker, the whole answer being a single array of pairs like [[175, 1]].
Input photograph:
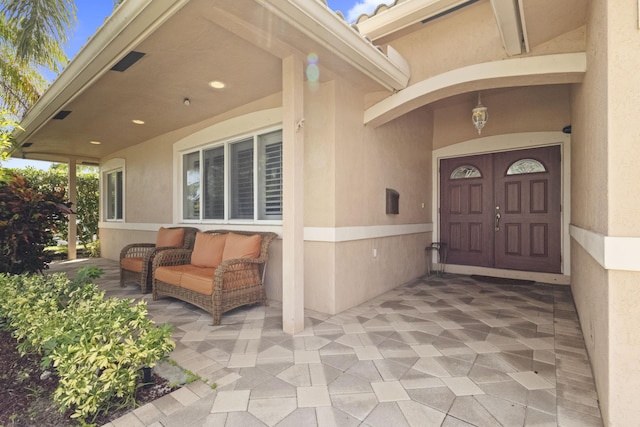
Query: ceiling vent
[[61, 115], [126, 62], [448, 11]]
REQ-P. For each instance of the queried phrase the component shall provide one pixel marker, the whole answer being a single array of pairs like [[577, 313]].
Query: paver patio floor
[[439, 351]]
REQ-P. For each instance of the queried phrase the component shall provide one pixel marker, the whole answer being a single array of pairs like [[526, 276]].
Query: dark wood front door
[[502, 210]]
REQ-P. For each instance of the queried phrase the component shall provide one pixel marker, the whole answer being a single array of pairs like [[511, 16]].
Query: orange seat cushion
[[200, 280], [172, 273], [207, 250], [170, 237], [240, 246], [132, 264]]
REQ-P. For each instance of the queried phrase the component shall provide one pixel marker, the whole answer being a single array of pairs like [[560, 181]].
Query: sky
[[92, 13]]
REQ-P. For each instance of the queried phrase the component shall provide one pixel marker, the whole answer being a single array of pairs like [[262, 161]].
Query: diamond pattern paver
[[446, 351]]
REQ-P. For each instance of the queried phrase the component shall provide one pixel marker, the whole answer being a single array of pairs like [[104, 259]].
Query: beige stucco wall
[[348, 166], [320, 158], [320, 276], [369, 160], [449, 47], [624, 348], [149, 182], [511, 110], [624, 152], [604, 154], [360, 276]]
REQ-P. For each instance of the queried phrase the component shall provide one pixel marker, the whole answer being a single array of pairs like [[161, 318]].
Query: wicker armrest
[[233, 273], [137, 250], [172, 257]]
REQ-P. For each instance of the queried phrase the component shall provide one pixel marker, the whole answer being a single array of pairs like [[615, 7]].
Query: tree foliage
[[32, 33], [7, 125]]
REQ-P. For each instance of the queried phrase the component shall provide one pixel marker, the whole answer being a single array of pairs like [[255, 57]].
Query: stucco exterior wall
[[624, 348], [624, 152], [590, 283], [369, 160], [320, 157], [149, 182], [320, 276], [361, 276], [348, 166], [511, 110], [449, 48], [604, 154]]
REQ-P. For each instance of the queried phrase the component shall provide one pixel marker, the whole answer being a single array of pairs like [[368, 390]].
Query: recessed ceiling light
[[138, 121], [217, 84], [95, 142]]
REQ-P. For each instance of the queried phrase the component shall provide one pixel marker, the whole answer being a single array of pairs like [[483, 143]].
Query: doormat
[[501, 280]]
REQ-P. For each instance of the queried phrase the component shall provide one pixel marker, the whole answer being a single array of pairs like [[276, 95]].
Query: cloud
[[362, 6]]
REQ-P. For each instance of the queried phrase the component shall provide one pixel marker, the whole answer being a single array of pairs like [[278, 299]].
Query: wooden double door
[[502, 210]]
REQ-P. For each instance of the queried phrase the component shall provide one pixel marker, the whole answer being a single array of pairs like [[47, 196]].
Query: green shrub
[[87, 200], [93, 249], [97, 345], [28, 220]]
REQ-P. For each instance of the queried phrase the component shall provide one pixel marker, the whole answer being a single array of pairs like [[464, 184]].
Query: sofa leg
[[216, 318]]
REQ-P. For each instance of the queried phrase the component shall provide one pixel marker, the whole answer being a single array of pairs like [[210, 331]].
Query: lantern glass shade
[[479, 116]]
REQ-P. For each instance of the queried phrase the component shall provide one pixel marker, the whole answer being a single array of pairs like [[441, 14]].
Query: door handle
[[497, 218]]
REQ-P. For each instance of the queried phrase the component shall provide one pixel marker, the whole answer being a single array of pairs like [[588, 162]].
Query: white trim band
[[346, 234], [311, 234], [612, 253]]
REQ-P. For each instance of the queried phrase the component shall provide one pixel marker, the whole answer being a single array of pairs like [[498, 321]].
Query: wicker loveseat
[[136, 259], [224, 270]]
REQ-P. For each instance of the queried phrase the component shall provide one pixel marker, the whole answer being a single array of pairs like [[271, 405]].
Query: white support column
[[293, 195], [73, 198]]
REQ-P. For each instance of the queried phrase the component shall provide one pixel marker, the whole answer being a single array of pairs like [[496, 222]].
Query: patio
[[437, 351]]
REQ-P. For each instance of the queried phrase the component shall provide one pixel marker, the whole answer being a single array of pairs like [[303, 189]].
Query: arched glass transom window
[[465, 171], [523, 166]]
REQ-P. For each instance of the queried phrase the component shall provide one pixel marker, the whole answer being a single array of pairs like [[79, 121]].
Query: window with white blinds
[[214, 183], [191, 186], [239, 180], [114, 198], [241, 165], [270, 175]]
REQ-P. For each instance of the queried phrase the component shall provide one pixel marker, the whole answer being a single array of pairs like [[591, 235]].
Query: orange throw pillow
[[207, 251], [170, 237], [239, 246]]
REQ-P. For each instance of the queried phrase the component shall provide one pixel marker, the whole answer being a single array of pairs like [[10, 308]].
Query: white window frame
[[227, 143], [111, 167]]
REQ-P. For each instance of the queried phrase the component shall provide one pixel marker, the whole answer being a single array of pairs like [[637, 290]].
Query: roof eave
[[325, 27], [403, 15], [130, 23]]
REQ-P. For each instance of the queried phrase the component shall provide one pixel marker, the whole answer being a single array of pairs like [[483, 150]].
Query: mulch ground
[[26, 394]]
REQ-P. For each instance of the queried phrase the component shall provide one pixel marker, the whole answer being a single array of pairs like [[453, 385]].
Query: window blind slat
[[242, 180]]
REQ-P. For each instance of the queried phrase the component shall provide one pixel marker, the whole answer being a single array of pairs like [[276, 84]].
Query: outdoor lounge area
[[438, 351]]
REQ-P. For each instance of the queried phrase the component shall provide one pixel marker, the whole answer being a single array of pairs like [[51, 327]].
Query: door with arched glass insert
[[502, 210], [465, 209]]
